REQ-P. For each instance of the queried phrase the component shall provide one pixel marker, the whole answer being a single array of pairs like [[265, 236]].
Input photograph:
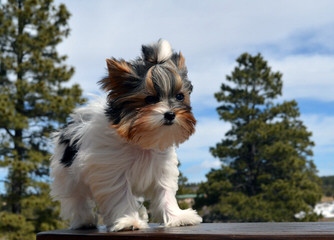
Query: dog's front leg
[[164, 206], [118, 206]]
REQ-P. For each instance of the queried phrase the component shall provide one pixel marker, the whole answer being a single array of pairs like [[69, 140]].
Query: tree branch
[[9, 133]]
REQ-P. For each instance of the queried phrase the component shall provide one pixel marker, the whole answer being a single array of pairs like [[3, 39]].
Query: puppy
[[115, 151]]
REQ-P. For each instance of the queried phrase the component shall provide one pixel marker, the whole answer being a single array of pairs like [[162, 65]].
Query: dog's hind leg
[[80, 210], [76, 203], [78, 207]]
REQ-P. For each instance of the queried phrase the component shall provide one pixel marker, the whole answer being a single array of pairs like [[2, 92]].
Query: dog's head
[[149, 98]]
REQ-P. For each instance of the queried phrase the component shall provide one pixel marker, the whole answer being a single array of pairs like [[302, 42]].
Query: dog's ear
[[121, 79], [181, 62]]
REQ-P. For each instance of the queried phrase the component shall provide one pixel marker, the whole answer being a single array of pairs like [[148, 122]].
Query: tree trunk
[[17, 178]]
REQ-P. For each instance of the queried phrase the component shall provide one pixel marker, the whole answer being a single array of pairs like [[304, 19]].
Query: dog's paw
[[184, 218], [84, 226], [84, 222], [129, 223]]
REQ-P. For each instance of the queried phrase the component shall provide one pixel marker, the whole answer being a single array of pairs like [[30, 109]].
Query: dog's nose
[[169, 116]]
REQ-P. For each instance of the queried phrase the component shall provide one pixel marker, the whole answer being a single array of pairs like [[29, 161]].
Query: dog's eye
[[179, 97], [151, 99]]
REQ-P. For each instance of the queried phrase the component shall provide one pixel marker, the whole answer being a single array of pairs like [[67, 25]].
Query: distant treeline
[[328, 185]]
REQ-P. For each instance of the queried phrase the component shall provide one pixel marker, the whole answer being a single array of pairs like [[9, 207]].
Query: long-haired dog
[[113, 152]]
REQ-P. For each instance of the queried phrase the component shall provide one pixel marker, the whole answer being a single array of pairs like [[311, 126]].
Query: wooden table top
[[206, 231]]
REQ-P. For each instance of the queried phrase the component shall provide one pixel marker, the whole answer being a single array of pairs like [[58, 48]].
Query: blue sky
[[295, 37]]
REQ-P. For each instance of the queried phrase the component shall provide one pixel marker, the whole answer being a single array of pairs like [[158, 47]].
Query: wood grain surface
[[206, 231]]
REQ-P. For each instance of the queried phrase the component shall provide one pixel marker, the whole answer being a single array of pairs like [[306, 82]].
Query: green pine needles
[[33, 103], [267, 173]]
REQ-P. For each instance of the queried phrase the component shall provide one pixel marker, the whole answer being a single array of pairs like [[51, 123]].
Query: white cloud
[[209, 131], [322, 128], [207, 80], [201, 26], [208, 32], [307, 76], [207, 164], [304, 76], [196, 172]]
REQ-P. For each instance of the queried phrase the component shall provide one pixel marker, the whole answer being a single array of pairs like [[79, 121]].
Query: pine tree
[[267, 173], [328, 185], [33, 103]]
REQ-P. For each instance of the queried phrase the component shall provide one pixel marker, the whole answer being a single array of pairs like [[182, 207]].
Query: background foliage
[[328, 185], [33, 102]]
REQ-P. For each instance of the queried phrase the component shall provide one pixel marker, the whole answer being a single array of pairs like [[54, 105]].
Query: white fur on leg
[[164, 205], [76, 202], [79, 211], [173, 216], [129, 222], [117, 204], [183, 218]]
